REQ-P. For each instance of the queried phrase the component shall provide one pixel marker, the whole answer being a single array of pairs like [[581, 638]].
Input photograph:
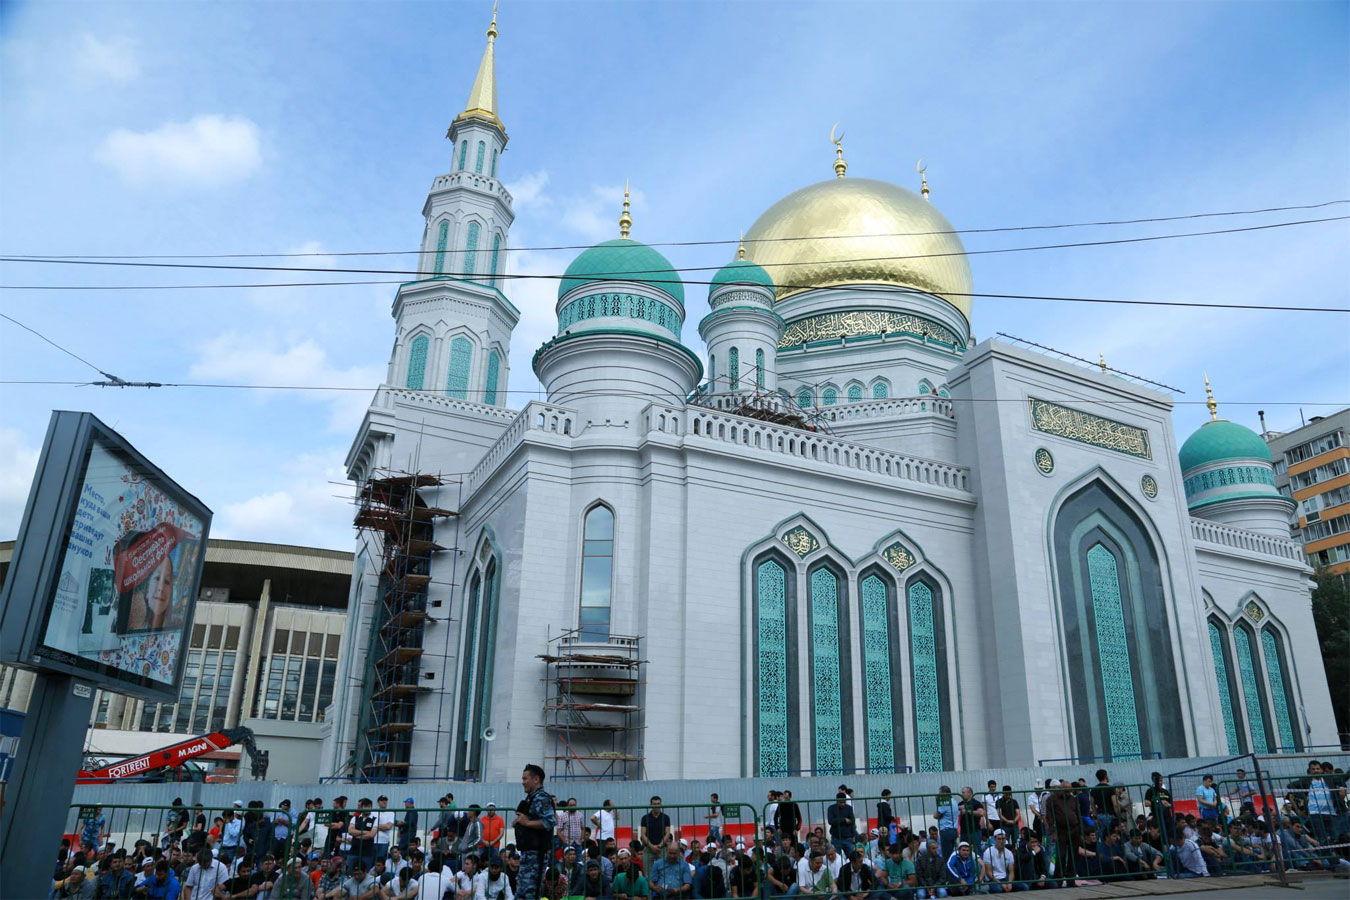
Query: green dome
[[622, 260], [1221, 440], [740, 271]]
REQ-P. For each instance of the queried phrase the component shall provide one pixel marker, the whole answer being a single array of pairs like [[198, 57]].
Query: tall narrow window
[[417, 362], [597, 574], [930, 682], [1218, 647], [496, 258], [803, 399], [830, 397], [493, 173], [881, 390], [772, 669], [734, 367], [457, 381], [1122, 720], [759, 369], [1251, 689], [471, 607], [827, 686], [463, 154], [478, 163], [712, 371], [481, 700], [1281, 696], [855, 393], [471, 252], [876, 640], [493, 371], [442, 238]]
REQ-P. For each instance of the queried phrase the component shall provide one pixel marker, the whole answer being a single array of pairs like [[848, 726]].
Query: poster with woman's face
[[129, 568]]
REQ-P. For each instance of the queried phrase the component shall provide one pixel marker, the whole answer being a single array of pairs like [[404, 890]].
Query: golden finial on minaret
[[483, 96], [923, 176], [1209, 401], [840, 167], [1102, 361], [625, 219], [740, 250]]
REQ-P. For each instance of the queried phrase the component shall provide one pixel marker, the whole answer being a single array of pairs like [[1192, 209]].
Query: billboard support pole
[[49, 758]]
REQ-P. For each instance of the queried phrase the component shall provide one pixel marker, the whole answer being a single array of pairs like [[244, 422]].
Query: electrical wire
[[700, 243], [69, 353]]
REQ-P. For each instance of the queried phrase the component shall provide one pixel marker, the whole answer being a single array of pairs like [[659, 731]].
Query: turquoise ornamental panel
[[496, 256], [442, 237], [471, 251], [803, 399], [927, 679], [772, 668], [490, 386], [463, 154], [829, 397], [855, 393], [478, 163], [628, 306], [876, 627], [1113, 654], [759, 369], [880, 391], [1216, 648], [417, 362], [1251, 692], [734, 367], [457, 381], [825, 675], [1284, 723]]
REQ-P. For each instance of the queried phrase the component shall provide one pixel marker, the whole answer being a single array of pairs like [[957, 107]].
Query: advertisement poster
[[123, 595]]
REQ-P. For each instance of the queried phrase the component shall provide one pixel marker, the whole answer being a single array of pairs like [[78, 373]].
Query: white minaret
[[454, 323]]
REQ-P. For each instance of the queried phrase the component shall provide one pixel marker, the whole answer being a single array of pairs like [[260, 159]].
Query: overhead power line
[[699, 243], [72, 354]]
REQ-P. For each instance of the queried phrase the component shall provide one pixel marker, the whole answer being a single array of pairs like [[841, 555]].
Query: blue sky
[[178, 128]]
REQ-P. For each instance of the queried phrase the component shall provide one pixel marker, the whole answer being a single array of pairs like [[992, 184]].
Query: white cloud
[[206, 151], [113, 59], [309, 506], [528, 188], [18, 462]]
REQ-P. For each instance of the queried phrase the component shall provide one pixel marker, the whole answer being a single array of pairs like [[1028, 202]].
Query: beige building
[[1312, 468]]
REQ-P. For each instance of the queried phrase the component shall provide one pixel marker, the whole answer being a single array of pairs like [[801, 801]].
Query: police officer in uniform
[[534, 824]]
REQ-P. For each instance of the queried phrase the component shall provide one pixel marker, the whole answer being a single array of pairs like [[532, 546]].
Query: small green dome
[[622, 260], [1220, 440], [740, 271]]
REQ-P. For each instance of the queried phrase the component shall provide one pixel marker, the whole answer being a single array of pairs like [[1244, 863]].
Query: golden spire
[[923, 175], [740, 251], [483, 97], [840, 167], [1102, 360], [625, 220], [1209, 401]]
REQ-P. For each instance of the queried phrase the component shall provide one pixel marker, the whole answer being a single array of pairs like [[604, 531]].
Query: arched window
[[1254, 697], [759, 369], [829, 397], [928, 671], [881, 390], [496, 257], [1218, 648], [597, 574], [493, 173], [775, 671], [803, 398], [463, 154], [831, 697], [944, 393], [734, 367], [881, 684], [442, 237], [925, 387], [1281, 692], [855, 393], [478, 163], [417, 362], [494, 365], [461, 355], [1122, 716], [471, 252], [480, 641], [473, 601], [712, 372]]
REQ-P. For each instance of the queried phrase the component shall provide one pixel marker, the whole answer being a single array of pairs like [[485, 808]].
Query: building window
[[925, 387], [1251, 689], [1218, 647], [457, 382], [471, 252], [927, 644], [759, 369], [417, 362], [597, 574], [493, 173], [803, 399], [1280, 692], [712, 372], [855, 393], [493, 370], [881, 390], [442, 238], [463, 154], [829, 685], [829, 397], [773, 670], [478, 163], [878, 650], [734, 367], [1122, 719], [496, 257]]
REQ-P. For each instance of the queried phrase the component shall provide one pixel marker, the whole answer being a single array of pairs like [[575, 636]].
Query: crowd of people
[[1059, 834]]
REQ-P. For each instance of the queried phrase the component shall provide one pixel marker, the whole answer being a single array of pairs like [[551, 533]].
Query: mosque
[[847, 537]]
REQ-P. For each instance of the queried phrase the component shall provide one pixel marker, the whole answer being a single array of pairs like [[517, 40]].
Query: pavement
[[1252, 887]]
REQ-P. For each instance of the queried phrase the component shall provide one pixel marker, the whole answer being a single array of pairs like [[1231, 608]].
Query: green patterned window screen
[[772, 667], [855, 393], [442, 238], [734, 367], [496, 258], [759, 369], [493, 370], [1220, 654], [478, 163], [929, 681], [597, 574], [1113, 654], [1284, 723], [876, 634], [463, 154], [493, 173], [830, 397], [417, 362], [881, 390], [925, 387], [826, 680], [457, 381], [471, 251], [803, 399], [1251, 691]]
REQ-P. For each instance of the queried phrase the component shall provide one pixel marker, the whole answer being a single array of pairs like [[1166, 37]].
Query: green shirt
[[634, 887], [897, 873]]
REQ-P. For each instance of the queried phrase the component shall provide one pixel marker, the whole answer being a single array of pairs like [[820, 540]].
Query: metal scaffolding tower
[[593, 706]]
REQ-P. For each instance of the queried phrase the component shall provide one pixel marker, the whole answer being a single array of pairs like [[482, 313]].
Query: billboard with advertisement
[[109, 560]]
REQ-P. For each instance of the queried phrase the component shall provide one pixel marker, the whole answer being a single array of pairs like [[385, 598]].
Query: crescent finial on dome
[[840, 166], [625, 219], [1209, 401]]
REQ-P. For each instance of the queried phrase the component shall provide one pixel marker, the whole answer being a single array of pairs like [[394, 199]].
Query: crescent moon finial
[[839, 165]]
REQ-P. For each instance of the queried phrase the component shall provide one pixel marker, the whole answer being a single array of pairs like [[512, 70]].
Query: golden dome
[[860, 231]]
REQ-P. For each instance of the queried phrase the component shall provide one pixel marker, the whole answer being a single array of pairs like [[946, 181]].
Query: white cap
[[998, 831], [239, 803]]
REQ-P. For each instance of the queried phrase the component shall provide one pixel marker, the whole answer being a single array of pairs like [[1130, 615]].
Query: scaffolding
[[391, 508], [593, 706]]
